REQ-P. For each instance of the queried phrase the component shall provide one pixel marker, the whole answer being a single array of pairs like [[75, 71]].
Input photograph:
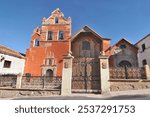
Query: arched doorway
[[49, 72], [125, 64]]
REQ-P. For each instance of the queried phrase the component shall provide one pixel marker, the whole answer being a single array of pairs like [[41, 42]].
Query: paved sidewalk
[[131, 94], [117, 93]]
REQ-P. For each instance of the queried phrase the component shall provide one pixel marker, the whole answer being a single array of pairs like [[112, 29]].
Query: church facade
[[50, 42]]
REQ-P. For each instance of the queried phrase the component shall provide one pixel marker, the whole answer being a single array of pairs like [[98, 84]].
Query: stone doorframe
[[45, 68]]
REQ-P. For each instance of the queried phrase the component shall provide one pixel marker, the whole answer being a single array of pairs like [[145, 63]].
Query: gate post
[[19, 79], [67, 74], [104, 74], [147, 72]]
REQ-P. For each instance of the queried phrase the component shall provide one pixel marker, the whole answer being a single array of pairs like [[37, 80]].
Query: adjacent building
[[143, 51], [11, 62], [123, 53]]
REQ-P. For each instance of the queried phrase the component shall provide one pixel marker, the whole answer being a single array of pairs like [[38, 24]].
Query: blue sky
[[110, 18]]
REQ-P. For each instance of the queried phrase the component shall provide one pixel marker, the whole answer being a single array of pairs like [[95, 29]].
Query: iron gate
[[86, 75]]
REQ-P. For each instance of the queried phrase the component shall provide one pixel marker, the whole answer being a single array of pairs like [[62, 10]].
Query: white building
[[144, 51], [11, 62]]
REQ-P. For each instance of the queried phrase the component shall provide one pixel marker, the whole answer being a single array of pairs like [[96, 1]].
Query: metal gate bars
[[86, 77]]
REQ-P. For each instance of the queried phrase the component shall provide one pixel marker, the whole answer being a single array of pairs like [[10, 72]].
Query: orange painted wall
[[35, 56]]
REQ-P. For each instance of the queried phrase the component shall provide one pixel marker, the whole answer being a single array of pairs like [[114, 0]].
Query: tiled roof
[[10, 52], [123, 39], [88, 29], [143, 39]]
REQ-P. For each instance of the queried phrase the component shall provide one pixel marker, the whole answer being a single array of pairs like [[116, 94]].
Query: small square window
[[37, 43], [7, 64]]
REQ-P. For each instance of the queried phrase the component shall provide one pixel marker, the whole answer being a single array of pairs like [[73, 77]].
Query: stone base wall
[[14, 93], [8, 81], [123, 85], [37, 82]]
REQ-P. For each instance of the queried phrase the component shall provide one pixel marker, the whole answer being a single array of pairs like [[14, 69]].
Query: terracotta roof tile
[[11, 52]]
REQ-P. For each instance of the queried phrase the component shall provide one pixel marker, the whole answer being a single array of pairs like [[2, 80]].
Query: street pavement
[[119, 95], [122, 97]]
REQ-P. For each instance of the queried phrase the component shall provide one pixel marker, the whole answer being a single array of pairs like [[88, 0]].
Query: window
[[85, 45], [61, 35], [50, 35], [7, 64], [143, 47], [56, 20], [123, 46], [144, 62], [125, 64], [37, 42]]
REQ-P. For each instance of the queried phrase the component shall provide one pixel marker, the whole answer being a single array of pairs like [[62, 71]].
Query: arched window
[[85, 45], [56, 20], [37, 42], [125, 63], [49, 72], [144, 62]]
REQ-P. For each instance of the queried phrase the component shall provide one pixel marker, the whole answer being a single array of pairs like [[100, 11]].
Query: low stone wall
[[32, 83], [123, 85], [13, 93], [37, 82], [8, 81]]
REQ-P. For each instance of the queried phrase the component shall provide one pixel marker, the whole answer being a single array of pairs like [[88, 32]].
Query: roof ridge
[[92, 30], [121, 40], [88, 29]]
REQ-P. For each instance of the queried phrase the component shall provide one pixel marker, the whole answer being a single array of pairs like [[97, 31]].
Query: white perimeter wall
[[17, 65]]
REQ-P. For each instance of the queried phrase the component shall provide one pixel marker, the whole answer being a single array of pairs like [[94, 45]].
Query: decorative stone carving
[[66, 65], [104, 65]]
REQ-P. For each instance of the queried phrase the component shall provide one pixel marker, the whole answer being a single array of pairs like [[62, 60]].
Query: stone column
[[147, 72], [67, 75], [104, 74], [19, 79]]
